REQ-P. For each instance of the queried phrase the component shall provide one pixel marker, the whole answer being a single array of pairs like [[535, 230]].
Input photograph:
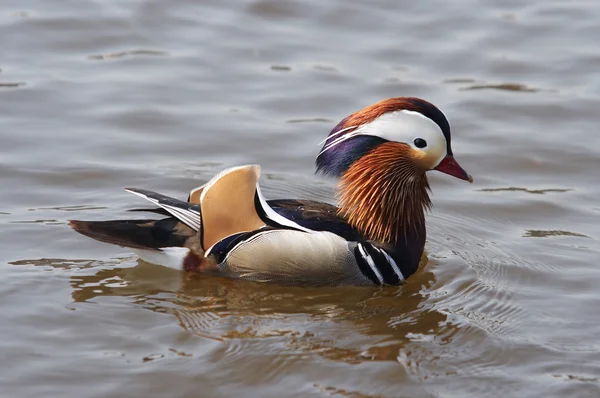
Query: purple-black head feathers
[[338, 159]]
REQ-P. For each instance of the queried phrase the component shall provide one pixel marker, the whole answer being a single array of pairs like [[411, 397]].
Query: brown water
[[100, 95]]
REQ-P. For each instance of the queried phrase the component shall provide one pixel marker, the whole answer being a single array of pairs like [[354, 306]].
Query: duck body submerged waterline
[[375, 236]]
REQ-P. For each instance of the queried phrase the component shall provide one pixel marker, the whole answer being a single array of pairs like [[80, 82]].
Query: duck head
[[381, 154]]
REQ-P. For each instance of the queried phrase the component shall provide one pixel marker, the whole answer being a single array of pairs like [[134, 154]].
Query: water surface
[[97, 96]]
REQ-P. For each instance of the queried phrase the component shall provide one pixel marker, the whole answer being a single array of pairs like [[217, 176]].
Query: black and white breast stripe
[[377, 265], [226, 245]]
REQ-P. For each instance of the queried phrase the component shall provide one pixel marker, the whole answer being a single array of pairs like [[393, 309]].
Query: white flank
[[295, 257], [209, 251], [170, 257]]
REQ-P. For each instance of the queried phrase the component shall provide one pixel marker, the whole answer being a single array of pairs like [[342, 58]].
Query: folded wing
[[227, 204]]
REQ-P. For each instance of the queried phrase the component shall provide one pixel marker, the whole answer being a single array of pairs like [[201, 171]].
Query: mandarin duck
[[374, 236]]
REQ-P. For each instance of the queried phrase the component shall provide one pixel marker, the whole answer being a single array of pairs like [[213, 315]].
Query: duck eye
[[420, 143]]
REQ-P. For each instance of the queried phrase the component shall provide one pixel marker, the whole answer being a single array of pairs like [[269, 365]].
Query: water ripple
[[129, 53], [503, 87]]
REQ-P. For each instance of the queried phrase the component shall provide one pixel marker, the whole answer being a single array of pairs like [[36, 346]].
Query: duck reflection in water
[[382, 320]]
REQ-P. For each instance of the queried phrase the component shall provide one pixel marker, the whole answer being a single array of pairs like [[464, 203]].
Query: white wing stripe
[[272, 215], [141, 195], [189, 217], [192, 219]]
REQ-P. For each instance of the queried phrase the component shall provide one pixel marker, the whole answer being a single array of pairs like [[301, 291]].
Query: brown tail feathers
[[138, 234]]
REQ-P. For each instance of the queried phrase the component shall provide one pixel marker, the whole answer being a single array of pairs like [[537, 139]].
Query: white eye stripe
[[401, 126]]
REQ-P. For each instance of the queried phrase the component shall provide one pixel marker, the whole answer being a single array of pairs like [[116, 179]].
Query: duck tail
[[137, 234]]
